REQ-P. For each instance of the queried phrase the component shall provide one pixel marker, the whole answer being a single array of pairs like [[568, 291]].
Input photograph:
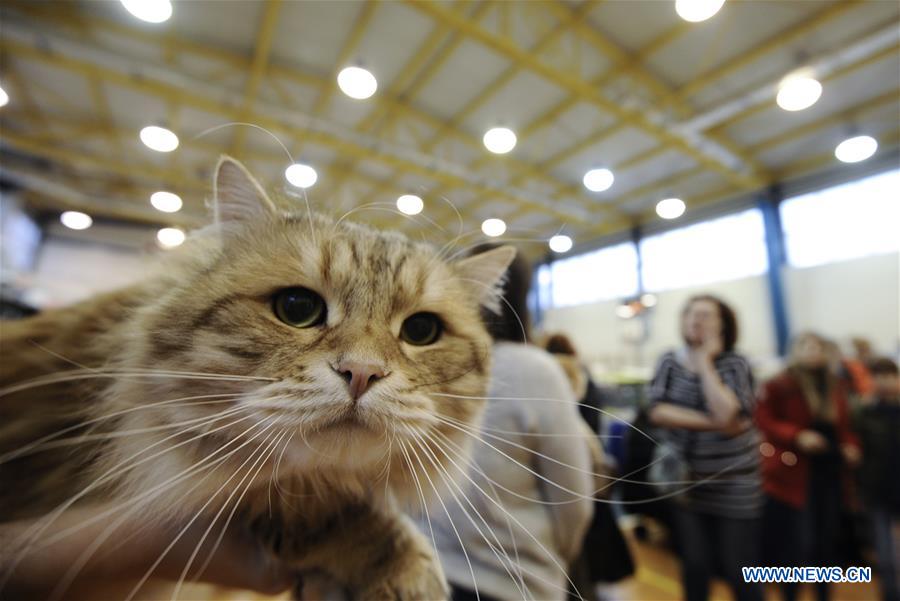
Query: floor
[[657, 579]]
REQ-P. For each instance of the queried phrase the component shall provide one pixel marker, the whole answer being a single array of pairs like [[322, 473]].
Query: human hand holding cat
[[127, 553]]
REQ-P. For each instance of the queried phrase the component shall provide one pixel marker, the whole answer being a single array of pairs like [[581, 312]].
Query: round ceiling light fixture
[[76, 220], [499, 140], [151, 11], [159, 139], [301, 175], [670, 208], [410, 204], [798, 91], [697, 10], [357, 83], [170, 237], [4, 97], [167, 202], [493, 227], [598, 180], [560, 243], [856, 149]]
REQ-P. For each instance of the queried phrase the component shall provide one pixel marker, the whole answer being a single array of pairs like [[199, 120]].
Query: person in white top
[[529, 482]]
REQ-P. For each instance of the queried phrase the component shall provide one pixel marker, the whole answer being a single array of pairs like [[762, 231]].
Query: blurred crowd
[[794, 471]]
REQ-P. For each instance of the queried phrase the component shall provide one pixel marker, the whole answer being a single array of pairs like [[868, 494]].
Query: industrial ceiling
[[672, 108]]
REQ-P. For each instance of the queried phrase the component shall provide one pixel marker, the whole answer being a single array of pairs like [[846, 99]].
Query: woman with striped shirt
[[702, 395]]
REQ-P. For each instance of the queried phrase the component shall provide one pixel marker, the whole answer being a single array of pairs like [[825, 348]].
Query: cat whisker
[[450, 483], [216, 128], [549, 400], [271, 443], [472, 465], [507, 303], [119, 433], [449, 518], [28, 538], [225, 398], [147, 496], [113, 374]]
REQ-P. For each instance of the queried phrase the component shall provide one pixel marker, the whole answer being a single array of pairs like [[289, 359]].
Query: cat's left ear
[[236, 194], [484, 275]]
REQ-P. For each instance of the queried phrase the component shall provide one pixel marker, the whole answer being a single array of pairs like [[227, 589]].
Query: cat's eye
[[299, 307], [421, 329]]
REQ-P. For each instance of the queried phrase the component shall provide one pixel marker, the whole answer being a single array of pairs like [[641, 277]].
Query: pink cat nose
[[359, 376]]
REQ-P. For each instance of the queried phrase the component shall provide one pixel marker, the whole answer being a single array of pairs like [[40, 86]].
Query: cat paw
[[422, 580]]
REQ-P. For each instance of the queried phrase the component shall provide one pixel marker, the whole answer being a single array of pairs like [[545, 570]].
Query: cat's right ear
[[237, 196]]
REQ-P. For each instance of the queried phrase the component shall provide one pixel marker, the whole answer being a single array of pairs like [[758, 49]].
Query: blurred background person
[[803, 415], [539, 508], [702, 394], [605, 556], [878, 426]]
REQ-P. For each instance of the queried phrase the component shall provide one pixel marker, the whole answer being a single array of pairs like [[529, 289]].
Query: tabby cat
[[316, 341]]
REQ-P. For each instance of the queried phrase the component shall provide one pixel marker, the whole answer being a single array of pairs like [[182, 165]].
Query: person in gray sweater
[[528, 490]]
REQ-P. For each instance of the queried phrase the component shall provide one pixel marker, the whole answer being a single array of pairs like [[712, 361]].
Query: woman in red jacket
[[803, 416]]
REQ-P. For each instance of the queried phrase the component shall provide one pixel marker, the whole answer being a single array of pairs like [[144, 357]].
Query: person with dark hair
[[520, 516], [803, 415], [702, 395], [878, 426]]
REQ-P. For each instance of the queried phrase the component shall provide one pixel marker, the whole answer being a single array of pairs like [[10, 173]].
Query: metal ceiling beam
[[504, 78], [196, 95], [351, 43], [777, 41], [405, 87], [862, 52], [68, 18], [707, 154], [846, 116], [262, 49], [414, 75]]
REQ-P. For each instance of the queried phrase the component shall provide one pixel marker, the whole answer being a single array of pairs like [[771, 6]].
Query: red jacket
[[781, 413]]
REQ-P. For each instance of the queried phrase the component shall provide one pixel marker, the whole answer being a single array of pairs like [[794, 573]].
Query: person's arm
[[35, 572], [669, 415], [565, 460]]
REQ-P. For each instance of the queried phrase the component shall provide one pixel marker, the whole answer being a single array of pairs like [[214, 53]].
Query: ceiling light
[[648, 300], [598, 180], [170, 237], [670, 208], [410, 204], [493, 227], [856, 149], [560, 243], [357, 82], [151, 11], [76, 220], [798, 91], [625, 311], [500, 140], [159, 139], [166, 202], [697, 10], [4, 97], [300, 175]]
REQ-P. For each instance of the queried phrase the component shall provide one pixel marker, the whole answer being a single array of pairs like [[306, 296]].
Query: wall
[[860, 297]]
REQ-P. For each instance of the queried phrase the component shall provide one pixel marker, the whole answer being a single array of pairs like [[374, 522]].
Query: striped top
[[730, 464]]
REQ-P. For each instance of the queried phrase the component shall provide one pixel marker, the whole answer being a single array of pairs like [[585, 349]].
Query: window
[[600, 275], [844, 222], [727, 248]]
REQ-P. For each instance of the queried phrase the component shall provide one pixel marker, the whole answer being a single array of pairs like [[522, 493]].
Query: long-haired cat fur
[[271, 331]]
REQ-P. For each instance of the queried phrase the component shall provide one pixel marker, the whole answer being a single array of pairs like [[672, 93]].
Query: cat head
[[344, 338]]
